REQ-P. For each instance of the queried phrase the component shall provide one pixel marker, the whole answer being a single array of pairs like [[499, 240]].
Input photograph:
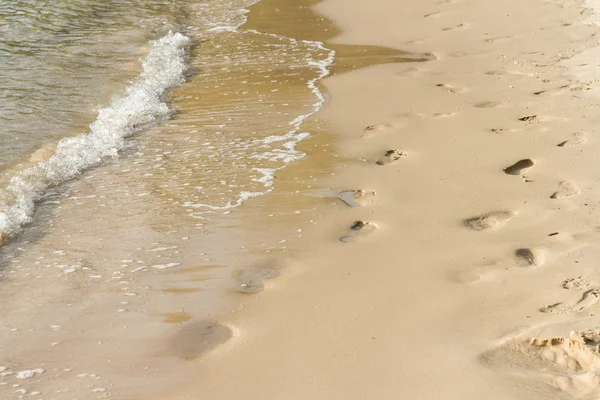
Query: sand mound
[[568, 364]]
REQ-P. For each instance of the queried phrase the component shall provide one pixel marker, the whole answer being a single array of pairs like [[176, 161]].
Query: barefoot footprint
[[565, 189], [519, 167], [462, 25], [251, 280], [530, 118], [350, 196], [552, 92], [589, 298], [489, 221], [197, 338], [579, 283], [391, 156], [578, 139], [527, 257], [358, 230], [451, 89], [369, 130], [487, 104]]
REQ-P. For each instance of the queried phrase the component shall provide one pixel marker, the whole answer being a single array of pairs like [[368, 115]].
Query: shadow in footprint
[[198, 338], [530, 257], [358, 230], [519, 167], [530, 118]]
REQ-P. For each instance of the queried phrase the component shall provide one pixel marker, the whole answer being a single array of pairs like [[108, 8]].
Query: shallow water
[[227, 155]]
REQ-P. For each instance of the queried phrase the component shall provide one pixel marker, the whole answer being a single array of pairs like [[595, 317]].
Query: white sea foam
[[29, 373], [165, 266], [287, 153], [139, 107], [223, 29]]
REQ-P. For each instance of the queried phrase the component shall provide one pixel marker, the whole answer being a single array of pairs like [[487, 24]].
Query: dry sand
[[481, 242]]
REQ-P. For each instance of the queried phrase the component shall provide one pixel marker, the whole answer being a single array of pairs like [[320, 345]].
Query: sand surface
[[475, 273]]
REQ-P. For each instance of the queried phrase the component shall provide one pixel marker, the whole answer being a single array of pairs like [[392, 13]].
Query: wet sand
[[480, 277], [117, 287]]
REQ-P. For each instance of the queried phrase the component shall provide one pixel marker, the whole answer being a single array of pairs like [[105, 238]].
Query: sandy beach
[[472, 270], [301, 200]]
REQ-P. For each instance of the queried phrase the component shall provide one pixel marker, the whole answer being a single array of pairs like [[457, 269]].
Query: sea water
[[131, 133]]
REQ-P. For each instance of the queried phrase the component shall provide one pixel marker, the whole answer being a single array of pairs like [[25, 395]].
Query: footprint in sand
[[357, 231], [420, 56], [433, 14], [252, 279], [451, 89], [503, 131], [477, 273], [444, 115], [568, 364], [530, 118], [499, 39], [579, 283], [373, 130], [589, 298], [565, 189], [489, 221], [519, 167], [390, 156], [508, 72], [350, 197], [487, 104], [198, 338], [578, 139], [558, 244], [527, 257], [369, 130], [459, 26], [554, 91], [412, 72], [537, 118]]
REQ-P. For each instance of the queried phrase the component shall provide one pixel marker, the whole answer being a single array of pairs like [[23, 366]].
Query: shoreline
[[114, 305], [514, 259]]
